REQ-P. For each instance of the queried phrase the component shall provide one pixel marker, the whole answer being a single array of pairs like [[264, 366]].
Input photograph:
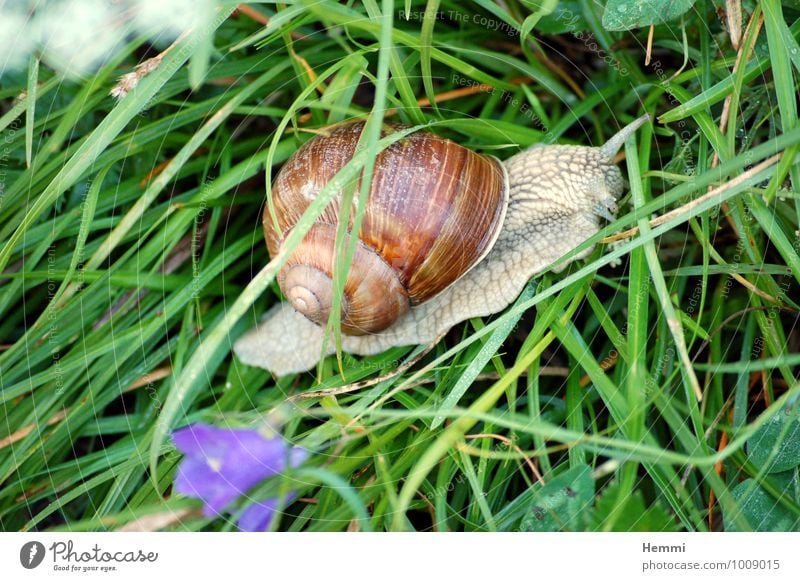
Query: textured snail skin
[[558, 196]]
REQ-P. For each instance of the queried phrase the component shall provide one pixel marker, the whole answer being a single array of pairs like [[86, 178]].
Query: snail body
[[496, 226]]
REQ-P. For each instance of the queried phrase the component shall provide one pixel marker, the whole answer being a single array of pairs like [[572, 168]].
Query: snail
[[448, 234]]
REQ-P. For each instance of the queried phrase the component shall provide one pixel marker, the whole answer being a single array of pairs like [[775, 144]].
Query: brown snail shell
[[435, 209]]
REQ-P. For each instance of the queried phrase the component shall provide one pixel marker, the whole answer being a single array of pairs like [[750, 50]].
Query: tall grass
[[644, 378]]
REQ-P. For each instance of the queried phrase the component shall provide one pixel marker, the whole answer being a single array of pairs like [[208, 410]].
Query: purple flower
[[222, 464]]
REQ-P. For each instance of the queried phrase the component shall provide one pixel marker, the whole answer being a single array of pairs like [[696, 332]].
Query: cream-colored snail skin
[[447, 235]]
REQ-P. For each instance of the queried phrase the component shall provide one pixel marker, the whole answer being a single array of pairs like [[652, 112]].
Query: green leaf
[[33, 81], [567, 17], [198, 64], [632, 516], [629, 14], [490, 347], [540, 10], [426, 45], [563, 504], [761, 510], [286, 17], [776, 444]]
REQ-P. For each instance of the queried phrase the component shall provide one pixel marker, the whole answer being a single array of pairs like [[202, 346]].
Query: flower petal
[[297, 456], [197, 480], [258, 516], [222, 464], [206, 440]]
